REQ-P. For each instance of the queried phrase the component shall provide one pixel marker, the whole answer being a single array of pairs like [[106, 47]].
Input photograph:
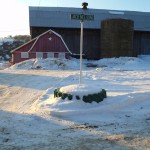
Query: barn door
[[24, 55]]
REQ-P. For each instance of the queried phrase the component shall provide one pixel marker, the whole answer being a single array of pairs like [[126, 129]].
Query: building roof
[[59, 17], [36, 39]]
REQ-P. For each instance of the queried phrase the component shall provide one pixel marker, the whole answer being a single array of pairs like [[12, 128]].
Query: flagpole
[[81, 50]]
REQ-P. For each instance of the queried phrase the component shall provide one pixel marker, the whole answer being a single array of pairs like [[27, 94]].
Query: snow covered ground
[[31, 118]]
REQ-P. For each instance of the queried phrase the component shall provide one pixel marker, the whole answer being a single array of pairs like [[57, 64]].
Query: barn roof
[[60, 17], [35, 40]]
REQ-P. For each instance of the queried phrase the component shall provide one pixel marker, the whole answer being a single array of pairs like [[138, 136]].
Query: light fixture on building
[[84, 5]]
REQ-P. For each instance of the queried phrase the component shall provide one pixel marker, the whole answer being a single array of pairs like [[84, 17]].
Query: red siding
[[32, 55], [25, 47], [48, 42], [45, 45], [17, 58]]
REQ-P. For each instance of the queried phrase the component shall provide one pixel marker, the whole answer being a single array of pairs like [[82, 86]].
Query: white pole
[[81, 50]]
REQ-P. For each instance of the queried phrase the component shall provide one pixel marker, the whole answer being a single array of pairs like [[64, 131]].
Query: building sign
[[82, 17]]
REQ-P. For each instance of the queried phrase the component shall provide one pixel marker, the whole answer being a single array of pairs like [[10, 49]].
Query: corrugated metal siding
[[141, 43], [60, 17], [91, 40]]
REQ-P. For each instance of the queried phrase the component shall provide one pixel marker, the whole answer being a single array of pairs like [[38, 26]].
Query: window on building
[[61, 55], [24, 55], [39, 55], [50, 55]]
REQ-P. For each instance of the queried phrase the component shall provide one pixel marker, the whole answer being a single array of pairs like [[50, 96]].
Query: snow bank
[[46, 64], [115, 102], [80, 90], [122, 63], [121, 120], [126, 63], [133, 104], [4, 64]]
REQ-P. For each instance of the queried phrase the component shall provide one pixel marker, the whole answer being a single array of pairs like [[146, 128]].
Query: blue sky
[[15, 17], [135, 5]]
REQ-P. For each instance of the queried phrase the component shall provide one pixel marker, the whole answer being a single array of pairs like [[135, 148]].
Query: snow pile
[[132, 104], [4, 64], [119, 96], [121, 63], [29, 109], [80, 89], [46, 64], [66, 108], [126, 63]]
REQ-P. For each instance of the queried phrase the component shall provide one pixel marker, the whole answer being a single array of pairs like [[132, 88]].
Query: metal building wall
[[71, 36], [141, 44], [92, 44]]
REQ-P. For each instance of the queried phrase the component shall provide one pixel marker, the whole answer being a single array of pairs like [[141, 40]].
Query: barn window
[[50, 55], [61, 55], [24, 55], [39, 55]]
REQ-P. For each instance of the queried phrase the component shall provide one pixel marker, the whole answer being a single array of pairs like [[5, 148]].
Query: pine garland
[[97, 97]]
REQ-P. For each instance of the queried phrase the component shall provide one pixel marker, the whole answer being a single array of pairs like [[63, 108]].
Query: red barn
[[47, 45]]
